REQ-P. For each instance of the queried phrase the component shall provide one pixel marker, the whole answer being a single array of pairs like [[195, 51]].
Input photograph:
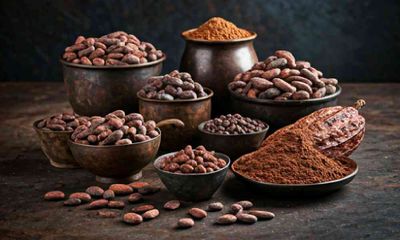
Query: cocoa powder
[[217, 28]]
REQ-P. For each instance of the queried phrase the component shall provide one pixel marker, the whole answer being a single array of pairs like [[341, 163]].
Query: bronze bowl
[[280, 113], [214, 64], [192, 187], [232, 145], [54, 145], [98, 90], [191, 111]]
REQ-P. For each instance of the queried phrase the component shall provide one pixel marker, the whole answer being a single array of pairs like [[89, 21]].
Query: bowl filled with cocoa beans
[[232, 134], [192, 174], [104, 73], [118, 146], [281, 90], [176, 95]]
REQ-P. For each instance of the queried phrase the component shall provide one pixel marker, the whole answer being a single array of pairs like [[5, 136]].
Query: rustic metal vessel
[[192, 187], [98, 90], [280, 113], [232, 145], [54, 145], [191, 111], [215, 63]]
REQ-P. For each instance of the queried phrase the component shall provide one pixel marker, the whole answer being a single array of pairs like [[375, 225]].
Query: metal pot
[[54, 146], [191, 111], [98, 90], [215, 63]]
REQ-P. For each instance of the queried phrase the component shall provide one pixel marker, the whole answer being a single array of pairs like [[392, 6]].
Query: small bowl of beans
[[192, 174], [232, 134]]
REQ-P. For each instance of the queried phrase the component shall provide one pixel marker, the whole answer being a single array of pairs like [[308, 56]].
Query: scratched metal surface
[[345, 37], [367, 208]]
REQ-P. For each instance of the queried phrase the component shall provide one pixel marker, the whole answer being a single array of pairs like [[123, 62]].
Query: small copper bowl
[[54, 145], [191, 111], [232, 145]]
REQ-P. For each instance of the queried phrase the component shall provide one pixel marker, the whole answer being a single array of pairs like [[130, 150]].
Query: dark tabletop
[[369, 207]]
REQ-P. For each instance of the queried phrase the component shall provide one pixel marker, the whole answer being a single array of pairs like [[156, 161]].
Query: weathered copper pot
[[98, 90], [54, 145], [191, 111], [215, 63]]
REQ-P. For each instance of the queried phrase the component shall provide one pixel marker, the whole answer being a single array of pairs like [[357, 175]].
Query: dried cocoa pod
[[291, 61], [302, 86], [270, 74], [261, 83], [277, 63], [270, 93], [282, 85], [346, 148]]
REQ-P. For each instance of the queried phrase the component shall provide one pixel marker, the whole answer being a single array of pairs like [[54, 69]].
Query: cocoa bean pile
[[175, 85], [115, 128], [281, 77], [61, 122], [117, 48], [233, 125], [190, 160]]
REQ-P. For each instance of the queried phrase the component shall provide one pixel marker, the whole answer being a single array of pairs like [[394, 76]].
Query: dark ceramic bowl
[[98, 90], [193, 187], [232, 145], [191, 111], [280, 113], [215, 63], [54, 145], [298, 189], [116, 163]]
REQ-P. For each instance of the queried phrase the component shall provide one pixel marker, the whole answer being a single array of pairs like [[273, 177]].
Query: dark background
[[355, 41]]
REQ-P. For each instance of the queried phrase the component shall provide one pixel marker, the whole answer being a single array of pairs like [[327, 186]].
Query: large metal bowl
[[232, 145], [191, 111], [98, 90], [116, 163], [54, 146], [192, 187], [280, 113]]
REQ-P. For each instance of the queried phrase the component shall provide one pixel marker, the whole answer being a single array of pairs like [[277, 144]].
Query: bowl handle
[[172, 121]]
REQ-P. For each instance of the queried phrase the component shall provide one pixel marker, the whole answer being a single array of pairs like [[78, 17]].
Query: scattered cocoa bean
[[261, 215], [109, 194], [116, 204], [135, 197], [226, 219], [197, 213], [132, 218], [72, 202], [185, 223], [142, 208], [54, 196], [151, 214], [121, 189], [95, 191], [215, 206], [101, 203], [236, 208], [246, 218], [172, 205], [245, 204], [149, 189], [84, 197]]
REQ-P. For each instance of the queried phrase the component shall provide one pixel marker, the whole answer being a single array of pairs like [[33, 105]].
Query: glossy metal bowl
[[193, 187], [54, 145], [215, 63], [191, 111], [298, 189], [116, 163], [280, 113], [232, 145], [98, 90]]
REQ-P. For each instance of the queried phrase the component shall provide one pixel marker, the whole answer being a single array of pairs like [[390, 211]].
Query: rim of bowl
[[287, 102], [52, 131], [115, 66], [115, 146], [200, 127], [251, 37], [352, 174], [222, 155], [209, 95]]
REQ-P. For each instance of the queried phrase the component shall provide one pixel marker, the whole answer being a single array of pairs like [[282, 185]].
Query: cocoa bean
[[261, 215], [185, 223], [226, 219], [72, 202], [277, 63], [302, 86], [197, 213], [215, 206], [188, 94], [116, 204], [69, 56], [142, 208], [148, 189], [140, 138], [84, 197], [138, 184], [95, 191], [319, 93], [121, 189], [245, 204], [98, 62], [135, 197], [236, 208], [112, 138], [237, 84], [302, 64], [291, 61], [329, 81], [300, 95], [261, 83], [299, 79], [151, 214], [109, 194], [330, 89], [86, 51], [97, 204], [282, 85], [270, 74], [308, 74], [124, 141], [98, 53], [270, 93], [54, 196], [85, 61], [111, 61], [79, 39], [172, 205], [132, 218], [246, 218], [76, 47]]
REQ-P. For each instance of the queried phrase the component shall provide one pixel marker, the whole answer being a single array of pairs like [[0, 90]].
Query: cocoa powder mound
[[290, 158], [217, 28]]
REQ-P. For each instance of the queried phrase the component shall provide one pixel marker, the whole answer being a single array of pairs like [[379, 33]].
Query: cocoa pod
[[291, 61], [282, 85]]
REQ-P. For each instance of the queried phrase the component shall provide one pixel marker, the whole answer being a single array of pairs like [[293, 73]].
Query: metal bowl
[[215, 63], [192, 187], [299, 189], [54, 146], [232, 145], [191, 111], [98, 90], [280, 113], [116, 163]]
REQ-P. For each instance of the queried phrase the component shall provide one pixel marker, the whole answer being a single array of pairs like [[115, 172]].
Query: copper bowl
[[98, 90], [280, 113], [54, 145], [214, 64], [191, 111]]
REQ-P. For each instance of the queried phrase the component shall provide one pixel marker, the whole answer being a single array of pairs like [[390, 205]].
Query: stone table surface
[[369, 207]]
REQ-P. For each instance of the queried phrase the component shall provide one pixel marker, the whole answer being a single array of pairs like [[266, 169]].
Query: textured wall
[[350, 39]]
